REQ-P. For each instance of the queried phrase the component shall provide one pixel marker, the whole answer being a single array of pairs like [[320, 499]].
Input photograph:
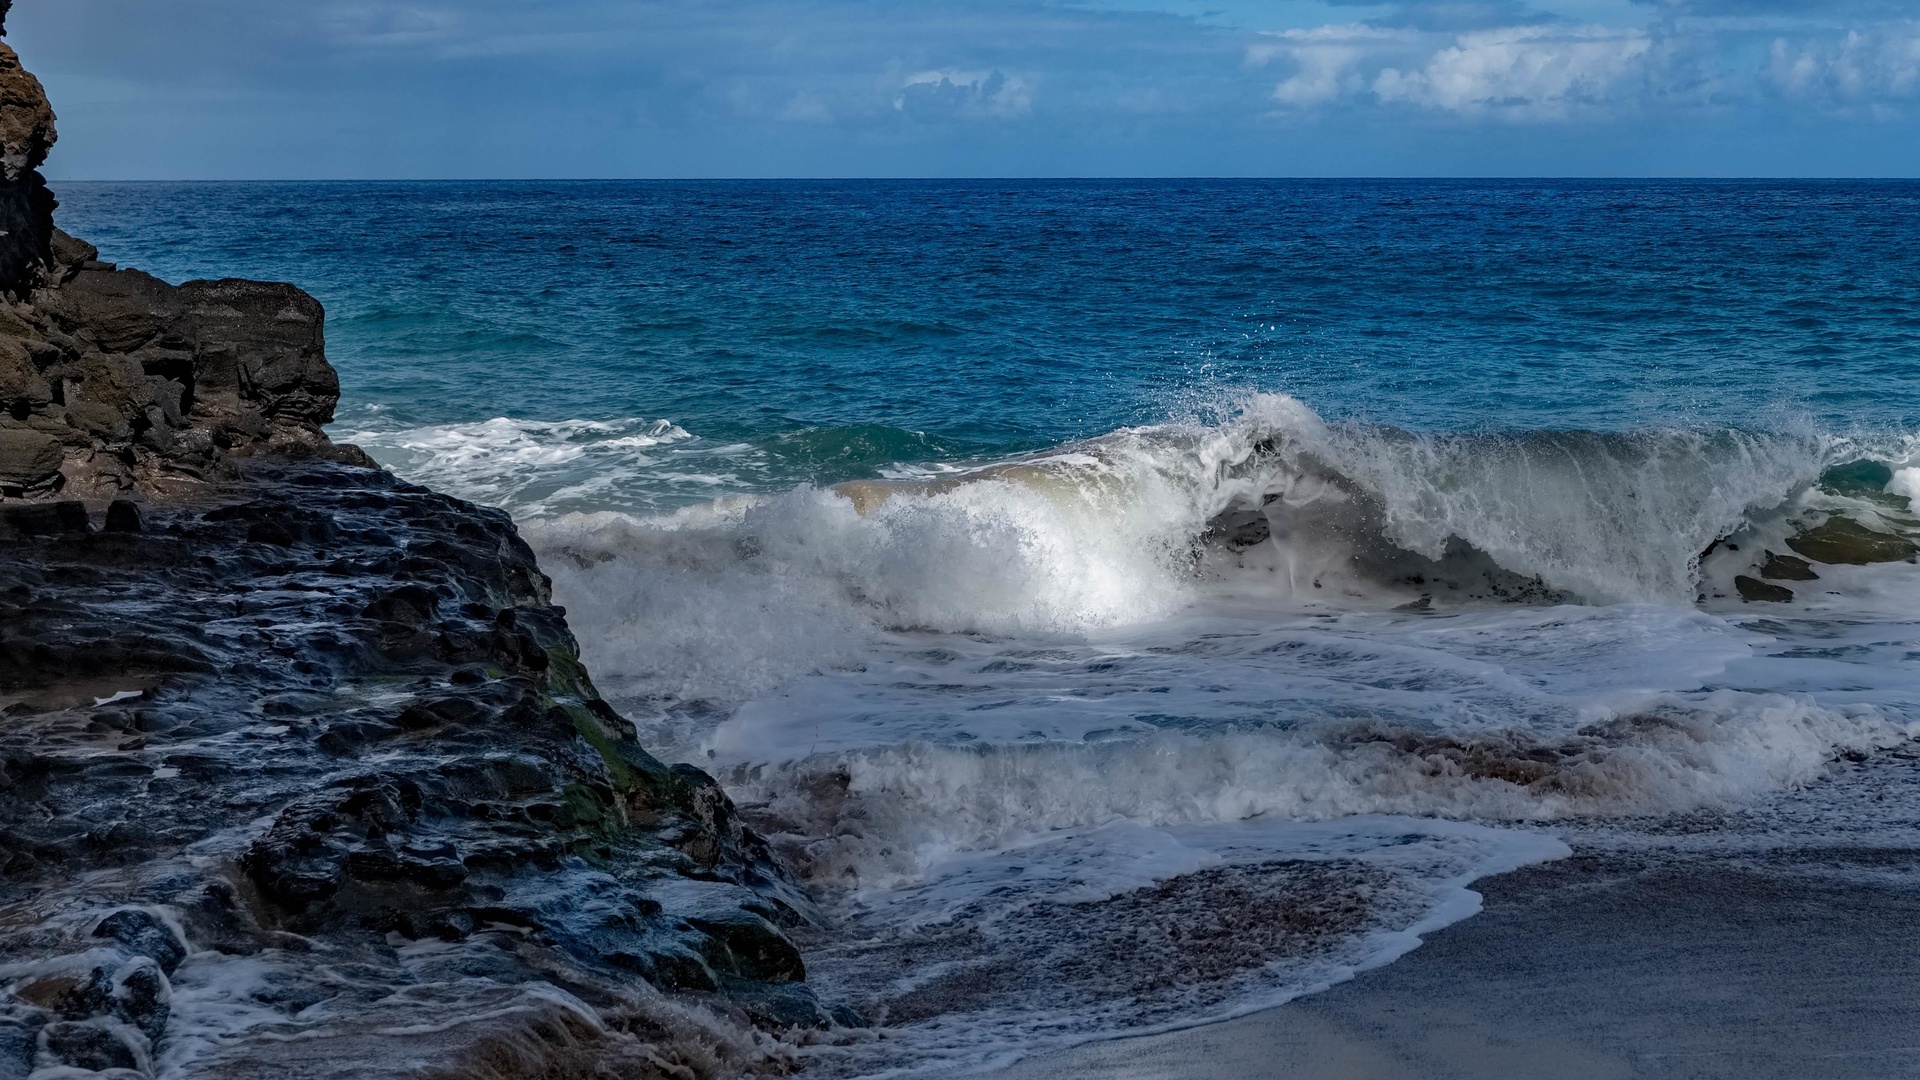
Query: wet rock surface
[[1755, 590], [1787, 568], [317, 757]]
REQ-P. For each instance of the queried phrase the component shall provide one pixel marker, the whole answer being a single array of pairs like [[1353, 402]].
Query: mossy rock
[[1842, 540]]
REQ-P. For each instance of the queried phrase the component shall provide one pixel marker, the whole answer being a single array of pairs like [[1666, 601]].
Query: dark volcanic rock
[[1787, 568], [1756, 590], [29, 460], [123, 516], [112, 379], [363, 728]]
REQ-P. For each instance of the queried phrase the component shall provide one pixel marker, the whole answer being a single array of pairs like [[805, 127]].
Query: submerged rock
[[1754, 589], [1845, 541], [1787, 568]]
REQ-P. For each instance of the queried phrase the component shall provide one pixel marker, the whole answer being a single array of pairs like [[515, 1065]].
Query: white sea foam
[[1054, 917], [537, 467], [882, 816], [1044, 679], [1905, 483]]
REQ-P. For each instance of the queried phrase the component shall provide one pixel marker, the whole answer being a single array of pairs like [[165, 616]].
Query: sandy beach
[[1795, 965]]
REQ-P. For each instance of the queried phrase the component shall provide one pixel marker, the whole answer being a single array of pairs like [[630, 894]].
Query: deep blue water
[[990, 316]]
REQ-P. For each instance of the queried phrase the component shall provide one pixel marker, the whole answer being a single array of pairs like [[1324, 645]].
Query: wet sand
[[1793, 965]]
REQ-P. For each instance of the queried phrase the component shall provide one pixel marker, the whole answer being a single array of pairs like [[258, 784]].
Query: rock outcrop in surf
[[299, 769]]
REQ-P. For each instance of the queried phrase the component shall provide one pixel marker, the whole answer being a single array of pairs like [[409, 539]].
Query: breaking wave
[[1272, 504]]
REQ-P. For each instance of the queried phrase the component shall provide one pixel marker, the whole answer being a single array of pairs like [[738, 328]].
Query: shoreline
[[1602, 965]]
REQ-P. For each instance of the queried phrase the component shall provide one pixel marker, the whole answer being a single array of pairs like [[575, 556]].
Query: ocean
[[1131, 604]]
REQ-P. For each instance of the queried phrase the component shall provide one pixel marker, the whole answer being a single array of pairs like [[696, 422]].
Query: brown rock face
[[143, 384], [112, 379], [28, 459], [26, 206], [26, 118]]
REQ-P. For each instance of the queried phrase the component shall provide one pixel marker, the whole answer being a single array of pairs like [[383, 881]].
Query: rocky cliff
[[300, 773], [115, 381]]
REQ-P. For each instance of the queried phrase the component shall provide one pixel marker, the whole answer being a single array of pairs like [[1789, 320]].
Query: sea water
[[1127, 604]]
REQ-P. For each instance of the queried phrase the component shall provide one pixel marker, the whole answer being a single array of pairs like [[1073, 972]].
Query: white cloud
[[1880, 65], [1515, 72], [1326, 62], [939, 95], [1521, 72]]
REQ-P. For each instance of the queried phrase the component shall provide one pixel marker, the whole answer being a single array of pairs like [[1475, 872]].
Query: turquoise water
[[1122, 549]]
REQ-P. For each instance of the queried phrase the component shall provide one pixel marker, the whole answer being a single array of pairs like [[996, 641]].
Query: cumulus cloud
[[1528, 72], [1880, 66], [972, 95], [1326, 62], [1524, 72]]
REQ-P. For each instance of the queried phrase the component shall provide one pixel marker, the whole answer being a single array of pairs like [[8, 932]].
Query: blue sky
[[642, 88]]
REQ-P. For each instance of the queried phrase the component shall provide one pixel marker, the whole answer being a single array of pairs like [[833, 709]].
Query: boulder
[[45, 518], [123, 516], [70, 253], [262, 343], [91, 1045], [1845, 541], [22, 386], [121, 310], [28, 459]]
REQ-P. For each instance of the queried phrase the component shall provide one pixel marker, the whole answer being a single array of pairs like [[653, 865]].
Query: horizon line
[[1536, 178]]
